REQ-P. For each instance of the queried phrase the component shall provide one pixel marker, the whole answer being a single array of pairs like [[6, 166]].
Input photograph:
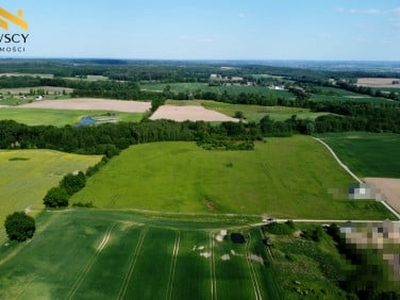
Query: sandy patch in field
[[191, 113], [91, 104], [389, 187], [378, 82]]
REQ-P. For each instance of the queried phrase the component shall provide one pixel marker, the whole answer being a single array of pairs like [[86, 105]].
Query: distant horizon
[[197, 59]]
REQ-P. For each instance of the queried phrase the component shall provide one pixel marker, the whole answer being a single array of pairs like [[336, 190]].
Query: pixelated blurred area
[[378, 242]]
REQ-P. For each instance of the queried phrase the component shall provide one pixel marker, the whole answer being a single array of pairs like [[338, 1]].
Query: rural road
[[355, 176]]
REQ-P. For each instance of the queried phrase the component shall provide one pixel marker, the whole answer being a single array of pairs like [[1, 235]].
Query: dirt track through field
[[91, 104], [174, 259], [90, 263], [213, 277], [254, 280], [132, 263], [189, 112]]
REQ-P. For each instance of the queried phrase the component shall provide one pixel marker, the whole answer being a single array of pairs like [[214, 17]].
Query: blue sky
[[205, 29]]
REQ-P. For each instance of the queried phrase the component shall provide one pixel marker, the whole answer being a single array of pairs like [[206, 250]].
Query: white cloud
[[204, 40], [242, 15], [370, 11], [339, 9], [375, 11], [323, 35]]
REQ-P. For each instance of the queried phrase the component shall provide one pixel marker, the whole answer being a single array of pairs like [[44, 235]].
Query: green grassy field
[[85, 254], [355, 98], [340, 95], [26, 176], [283, 177], [252, 112], [192, 87], [35, 116], [367, 154]]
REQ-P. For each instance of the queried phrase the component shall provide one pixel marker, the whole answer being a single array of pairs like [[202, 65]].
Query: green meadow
[[367, 154], [26, 176], [283, 177], [192, 87], [38, 116]]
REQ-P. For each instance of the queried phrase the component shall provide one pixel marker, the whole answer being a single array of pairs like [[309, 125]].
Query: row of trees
[[109, 139], [69, 185]]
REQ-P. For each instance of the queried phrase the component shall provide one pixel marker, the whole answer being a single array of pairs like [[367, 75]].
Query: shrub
[[279, 228], [56, 197], [19, 226]]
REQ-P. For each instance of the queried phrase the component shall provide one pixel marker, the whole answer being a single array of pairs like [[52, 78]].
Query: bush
[[56, 197], [19, 226], [279, 228], [73, 183]]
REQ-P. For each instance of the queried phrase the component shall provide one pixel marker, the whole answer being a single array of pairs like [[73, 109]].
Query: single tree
[[19, 226], [56, 197]]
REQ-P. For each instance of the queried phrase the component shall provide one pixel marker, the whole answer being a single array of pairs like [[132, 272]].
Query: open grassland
[[193, 87], [101, 255], [26, 176], [367, 154], [341, 95], [283, 177], [251, 112], [57, 117]]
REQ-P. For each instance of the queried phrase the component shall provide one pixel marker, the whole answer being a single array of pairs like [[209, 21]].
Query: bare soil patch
[[379, 82], [389, 188], [91, 104], [191, 113]]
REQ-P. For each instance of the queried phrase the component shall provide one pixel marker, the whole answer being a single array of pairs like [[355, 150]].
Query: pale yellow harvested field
[[191, 113], [91, 104], [379, 82], [389, 187]]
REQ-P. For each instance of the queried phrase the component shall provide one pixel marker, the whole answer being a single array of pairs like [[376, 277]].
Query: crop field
[[283, 177], [379, 82], [192, 87], [82, 254], [192, 113], [367, 154], [57, 117], [26, 176], [251, 112]]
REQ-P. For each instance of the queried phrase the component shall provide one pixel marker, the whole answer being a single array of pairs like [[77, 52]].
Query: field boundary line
[[346, 168], [391, 209], [90, 263], [172, 270], [254, 280], [132, 263], [212, 269]]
